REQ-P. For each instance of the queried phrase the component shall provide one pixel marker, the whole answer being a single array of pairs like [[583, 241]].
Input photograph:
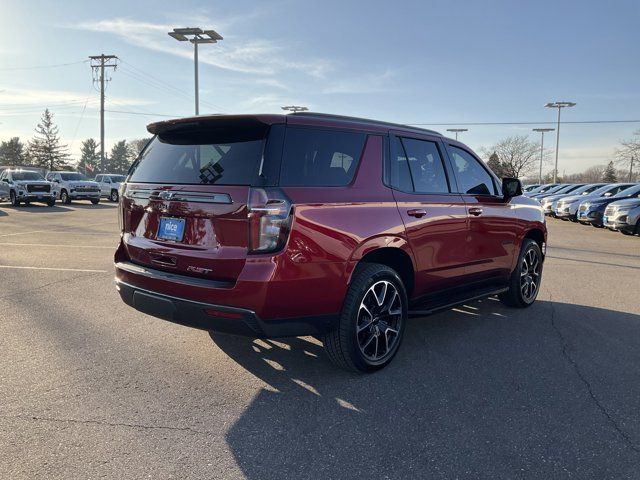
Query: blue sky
[[402, 61]]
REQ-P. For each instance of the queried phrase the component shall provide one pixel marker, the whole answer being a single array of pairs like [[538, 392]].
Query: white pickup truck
[[70, 186], [110, 185]]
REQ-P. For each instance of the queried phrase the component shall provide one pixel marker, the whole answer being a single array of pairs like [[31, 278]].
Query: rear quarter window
[[320, 158]]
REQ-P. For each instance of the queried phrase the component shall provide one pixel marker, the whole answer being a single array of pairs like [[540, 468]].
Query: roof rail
[[363, 120]]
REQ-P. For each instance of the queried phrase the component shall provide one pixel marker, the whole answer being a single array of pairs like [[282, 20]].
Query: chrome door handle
[[475, 211], [417, 212]]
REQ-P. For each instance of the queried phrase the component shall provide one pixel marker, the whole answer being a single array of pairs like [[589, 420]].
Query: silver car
[[70, 186], [110, 185], [25, 186], [624, 216], [567, 207]]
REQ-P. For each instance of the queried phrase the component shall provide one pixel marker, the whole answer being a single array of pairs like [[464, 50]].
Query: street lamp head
[[294, 108], [457, 129], [543, 129], [195, 35], [559, 104]]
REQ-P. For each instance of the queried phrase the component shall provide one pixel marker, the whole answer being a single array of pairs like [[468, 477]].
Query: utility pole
[[98, 64], [542, 131], [631, 168]]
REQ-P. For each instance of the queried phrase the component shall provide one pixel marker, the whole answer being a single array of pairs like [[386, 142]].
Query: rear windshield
[[26, 176], [214, 155]]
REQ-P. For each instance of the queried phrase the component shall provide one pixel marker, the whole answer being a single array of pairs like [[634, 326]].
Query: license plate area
[[171, 229]]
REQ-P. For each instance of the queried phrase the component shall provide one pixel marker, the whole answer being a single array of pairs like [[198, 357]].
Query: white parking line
[[53, 269], [57, 231], [56, 245]]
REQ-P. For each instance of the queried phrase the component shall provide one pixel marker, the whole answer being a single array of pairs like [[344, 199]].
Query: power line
[[148, 78], [526, 123], [43, 66], [150, 114]]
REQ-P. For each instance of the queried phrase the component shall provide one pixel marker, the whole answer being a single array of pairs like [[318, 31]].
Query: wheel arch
[[393, 252], [538, 236]]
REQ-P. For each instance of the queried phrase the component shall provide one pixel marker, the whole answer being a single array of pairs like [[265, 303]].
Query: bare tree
[[593, 174], [628, 154], [518, 156]]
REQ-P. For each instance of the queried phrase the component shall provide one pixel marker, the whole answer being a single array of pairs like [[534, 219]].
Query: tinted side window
[[472, 177], [314, 157], [425, 163]]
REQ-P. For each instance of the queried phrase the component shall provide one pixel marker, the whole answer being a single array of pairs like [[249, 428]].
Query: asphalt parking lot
[[90, 388]]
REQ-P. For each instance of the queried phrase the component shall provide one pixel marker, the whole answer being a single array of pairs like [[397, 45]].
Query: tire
[[64, 197], [352, 349], [626, 232], [574, 218], [51, 203], [14, 199], [95, 201], [113, 196], [595, 225], [520, 293]]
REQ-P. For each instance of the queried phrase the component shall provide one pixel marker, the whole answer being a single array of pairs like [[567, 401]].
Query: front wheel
[[372, 320], [64, 197], [525, 279], [14, 199], [95, 201], [113, 196], [51, 202]]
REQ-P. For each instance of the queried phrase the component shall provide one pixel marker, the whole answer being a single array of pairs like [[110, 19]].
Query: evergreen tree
[[495, 165], [89, 157], [45, 149], [120, 158], [12, 152], [610, 173]]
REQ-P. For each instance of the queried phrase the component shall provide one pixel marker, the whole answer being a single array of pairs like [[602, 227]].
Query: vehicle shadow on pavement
[[41, 208], [480, 391]]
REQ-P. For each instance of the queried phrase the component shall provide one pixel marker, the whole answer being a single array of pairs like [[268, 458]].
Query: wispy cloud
[[244, 55], [22, 98]]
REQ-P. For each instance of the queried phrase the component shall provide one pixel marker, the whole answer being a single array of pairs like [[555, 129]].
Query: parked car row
[[615, 206], [26, 186]]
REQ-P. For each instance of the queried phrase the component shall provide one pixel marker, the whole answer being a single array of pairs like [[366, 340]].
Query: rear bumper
[[219, 318]]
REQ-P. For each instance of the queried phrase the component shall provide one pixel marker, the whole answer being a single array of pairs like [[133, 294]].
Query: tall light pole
[[457, 130], [294, 108], [542, 131], [559, 106], [196, 36]]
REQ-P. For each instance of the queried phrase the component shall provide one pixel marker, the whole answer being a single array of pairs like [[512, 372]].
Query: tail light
[[270, 214]]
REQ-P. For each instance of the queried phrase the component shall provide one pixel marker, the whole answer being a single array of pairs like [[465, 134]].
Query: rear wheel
[[372, 321], [525, 279], [114, 195], [14, 199]]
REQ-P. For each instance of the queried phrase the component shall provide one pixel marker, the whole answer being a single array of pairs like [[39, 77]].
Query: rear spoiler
[[157, 128]]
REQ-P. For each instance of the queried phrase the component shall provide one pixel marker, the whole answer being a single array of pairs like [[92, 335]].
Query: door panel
[[491, 239], [437, 238]]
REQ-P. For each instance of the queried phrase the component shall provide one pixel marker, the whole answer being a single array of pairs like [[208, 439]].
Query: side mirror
[[511, 187]]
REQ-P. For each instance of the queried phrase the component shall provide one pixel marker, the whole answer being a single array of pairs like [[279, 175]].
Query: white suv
[[25, 186], [110, 185], [70, 186]]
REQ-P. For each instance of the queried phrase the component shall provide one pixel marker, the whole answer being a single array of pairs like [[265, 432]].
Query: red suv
[[314, 224]]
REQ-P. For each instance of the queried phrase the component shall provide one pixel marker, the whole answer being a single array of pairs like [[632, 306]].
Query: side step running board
[[453, 301]]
